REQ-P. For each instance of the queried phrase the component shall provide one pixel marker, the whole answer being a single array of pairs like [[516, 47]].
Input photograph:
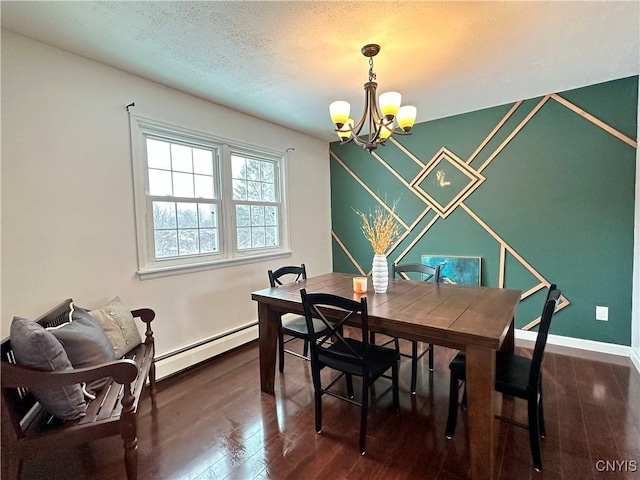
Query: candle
[[360, 284]]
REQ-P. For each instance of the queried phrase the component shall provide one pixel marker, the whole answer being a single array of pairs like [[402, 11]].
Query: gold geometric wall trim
[[469, 180], [445, 181]]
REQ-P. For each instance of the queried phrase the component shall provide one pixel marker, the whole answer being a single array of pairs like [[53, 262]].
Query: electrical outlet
[[602, 313]]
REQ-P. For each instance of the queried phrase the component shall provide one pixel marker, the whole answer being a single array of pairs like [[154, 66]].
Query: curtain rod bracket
[[132, 104]]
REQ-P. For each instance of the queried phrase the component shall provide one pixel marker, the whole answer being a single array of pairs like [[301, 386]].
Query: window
[[202, 201], [254, 195]]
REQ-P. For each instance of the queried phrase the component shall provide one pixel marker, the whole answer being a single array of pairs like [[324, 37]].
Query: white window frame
[[148, 265]]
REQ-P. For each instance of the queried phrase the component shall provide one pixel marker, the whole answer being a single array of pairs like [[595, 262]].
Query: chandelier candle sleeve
[[406, 117], [340, 112], [381, 118], [390, 104]]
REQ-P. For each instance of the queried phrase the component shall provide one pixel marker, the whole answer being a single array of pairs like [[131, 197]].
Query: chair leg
[[364, 410], [534, 432], [394, 379], [305, 349], [11, 465], [129, 435], [318, 398], [414, 366], [453, 407], [318, 410], [543, 431], [152, 380], [372, 338], [281, 350], [430, 357], [349, 380], [131, 458]]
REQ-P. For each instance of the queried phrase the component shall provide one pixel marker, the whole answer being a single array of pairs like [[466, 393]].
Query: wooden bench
[[27, 429]]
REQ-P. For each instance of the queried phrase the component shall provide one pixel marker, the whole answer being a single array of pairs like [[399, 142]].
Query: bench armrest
[[146, 315], [122, 371]]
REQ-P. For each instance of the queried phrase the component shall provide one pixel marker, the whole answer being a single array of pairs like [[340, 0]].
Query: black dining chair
[[427, 274], [516, 376], [349, 356], [292, 326]]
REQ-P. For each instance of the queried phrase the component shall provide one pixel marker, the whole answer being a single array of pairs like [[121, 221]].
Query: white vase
[[380, 273]]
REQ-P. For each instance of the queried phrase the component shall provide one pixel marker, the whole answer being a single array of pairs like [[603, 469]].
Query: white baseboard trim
[[634, 355], [527, 338], [524, 338], [191, 357]]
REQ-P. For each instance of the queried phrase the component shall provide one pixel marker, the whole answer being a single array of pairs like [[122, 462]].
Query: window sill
[[160, 272]]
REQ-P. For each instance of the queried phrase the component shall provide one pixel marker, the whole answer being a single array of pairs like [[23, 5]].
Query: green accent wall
[[556, 187]]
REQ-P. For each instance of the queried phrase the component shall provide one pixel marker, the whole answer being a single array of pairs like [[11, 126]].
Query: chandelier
[[381, 120]]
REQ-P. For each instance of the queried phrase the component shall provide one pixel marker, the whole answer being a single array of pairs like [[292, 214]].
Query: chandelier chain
[[372, 74]]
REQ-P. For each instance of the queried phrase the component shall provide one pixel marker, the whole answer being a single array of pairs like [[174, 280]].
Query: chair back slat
[[300, 273], [550, 306], [428, 272], [313, 303]]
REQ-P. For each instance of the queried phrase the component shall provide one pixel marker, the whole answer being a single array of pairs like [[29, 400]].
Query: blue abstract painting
[[460, 270]]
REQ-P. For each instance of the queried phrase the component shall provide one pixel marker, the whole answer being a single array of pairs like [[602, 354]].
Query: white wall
[[67, 218]]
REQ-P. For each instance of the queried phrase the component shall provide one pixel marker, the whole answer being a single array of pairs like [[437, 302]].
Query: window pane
[[244, 238], [239, 190], [268, 192], [271, 237], [253, 169], [257, 237], [187, 215], [181, 158], [202, 161], [188, 242], [238, 167], [254, 192], [166, 243], [203, 186], [208, 240], [243, 215], [257, 215], [160, 182], [271, 216], [183, 185], [267, 172], [158, 154], [208, 215], [164, 215]]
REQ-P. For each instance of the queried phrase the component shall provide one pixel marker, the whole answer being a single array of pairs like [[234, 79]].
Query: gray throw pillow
[[119, 325], [86, 345], [33, 346]]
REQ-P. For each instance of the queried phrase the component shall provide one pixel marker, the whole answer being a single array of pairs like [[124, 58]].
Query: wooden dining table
[[477, 320]]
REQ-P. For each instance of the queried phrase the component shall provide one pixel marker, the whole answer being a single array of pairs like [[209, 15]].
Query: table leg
[[509, 342], [481, 367], [268, 341]]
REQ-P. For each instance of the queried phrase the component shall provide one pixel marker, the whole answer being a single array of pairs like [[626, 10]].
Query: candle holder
[[360, 284]]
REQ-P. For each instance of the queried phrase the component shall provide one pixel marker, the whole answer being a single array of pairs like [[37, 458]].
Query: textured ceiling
[[286, 61]]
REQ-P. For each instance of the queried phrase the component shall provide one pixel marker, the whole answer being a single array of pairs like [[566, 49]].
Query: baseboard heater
[[165, 356]]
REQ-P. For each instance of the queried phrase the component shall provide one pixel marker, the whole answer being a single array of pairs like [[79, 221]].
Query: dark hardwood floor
[[212, 422]]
